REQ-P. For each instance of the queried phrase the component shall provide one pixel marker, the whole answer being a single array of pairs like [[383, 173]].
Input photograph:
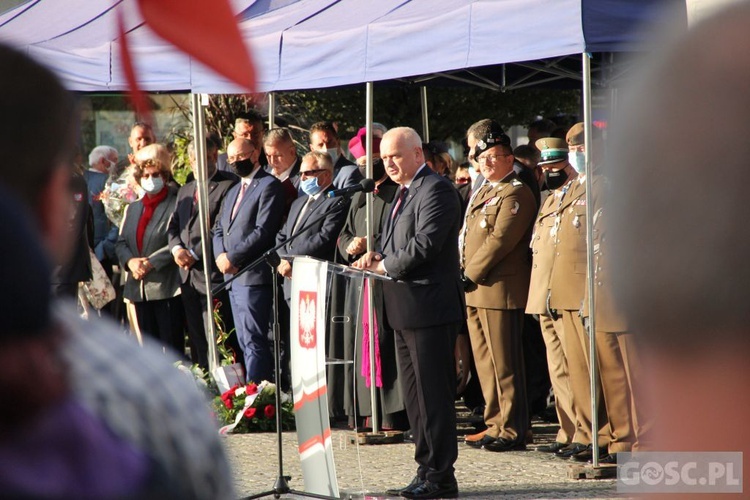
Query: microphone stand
[[271, 257]]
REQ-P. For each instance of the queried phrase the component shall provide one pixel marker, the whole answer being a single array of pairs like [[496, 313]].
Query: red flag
[[207, 31], [137, 98]]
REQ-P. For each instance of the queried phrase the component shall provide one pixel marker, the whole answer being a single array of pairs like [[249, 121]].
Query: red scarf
[[149, 205]]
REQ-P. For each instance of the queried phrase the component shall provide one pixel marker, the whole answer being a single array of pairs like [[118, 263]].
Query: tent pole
[[587, 121], [370, 247], [271, 110], [425, 115], [201, 178]]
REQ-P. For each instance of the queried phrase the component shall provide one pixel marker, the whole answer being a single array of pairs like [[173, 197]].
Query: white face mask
[[152, 185], [577, 160], [333, 153]]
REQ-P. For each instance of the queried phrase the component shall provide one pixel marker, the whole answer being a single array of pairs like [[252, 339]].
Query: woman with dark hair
[[153, 281]]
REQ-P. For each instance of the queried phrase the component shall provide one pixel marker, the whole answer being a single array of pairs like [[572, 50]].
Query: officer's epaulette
[[516, 183]]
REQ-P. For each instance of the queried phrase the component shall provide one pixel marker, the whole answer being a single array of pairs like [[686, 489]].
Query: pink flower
[[250, 412], [269, 411]]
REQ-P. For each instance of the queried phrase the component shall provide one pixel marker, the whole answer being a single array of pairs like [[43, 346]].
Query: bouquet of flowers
[[117, 195], [251, 408]]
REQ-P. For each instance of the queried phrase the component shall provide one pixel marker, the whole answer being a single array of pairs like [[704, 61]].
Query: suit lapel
[[312, 206], [413, 190]]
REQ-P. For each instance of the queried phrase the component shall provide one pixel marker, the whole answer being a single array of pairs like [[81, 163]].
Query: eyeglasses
[[312, 172], [491, 158], [239, 157]]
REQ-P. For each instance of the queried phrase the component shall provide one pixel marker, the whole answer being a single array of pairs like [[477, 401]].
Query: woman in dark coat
[[153, 280]]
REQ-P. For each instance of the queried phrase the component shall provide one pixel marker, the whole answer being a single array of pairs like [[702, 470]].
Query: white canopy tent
[[299, 44], [303, 44]]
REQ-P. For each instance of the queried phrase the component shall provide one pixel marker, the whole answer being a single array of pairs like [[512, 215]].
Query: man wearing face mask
[[324, 138], [576, 148], [319, 240], [558, 282], [187, 251], [249, 220], [316, 179]]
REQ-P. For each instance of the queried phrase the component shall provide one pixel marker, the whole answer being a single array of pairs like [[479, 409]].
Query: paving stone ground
[[366, 471]]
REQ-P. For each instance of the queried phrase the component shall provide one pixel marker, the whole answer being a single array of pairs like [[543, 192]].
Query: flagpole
[[587, 124], [201, 179], [425, 114], [370, 247], [271, 110]]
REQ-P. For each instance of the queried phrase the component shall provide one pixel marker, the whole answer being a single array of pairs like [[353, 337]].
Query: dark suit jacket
[[96, 183], [185, 229], [345, 174], [421, 251], [78, 266], [319, 240], [163, 281], [356, 223], [252, 231]]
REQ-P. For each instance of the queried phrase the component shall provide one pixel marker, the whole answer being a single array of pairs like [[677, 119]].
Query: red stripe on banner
[[309, 398], [315, 440]]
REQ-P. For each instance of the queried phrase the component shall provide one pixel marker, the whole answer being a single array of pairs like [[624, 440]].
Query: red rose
[[227, 402], [230, 393], [269, 411], [250, 412], [251, 389]]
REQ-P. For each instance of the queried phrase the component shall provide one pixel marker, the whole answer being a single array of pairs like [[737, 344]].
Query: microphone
[[365, 185]]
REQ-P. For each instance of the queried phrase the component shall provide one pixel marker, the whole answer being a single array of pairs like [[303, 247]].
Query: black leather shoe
[[610, 459], [551, 448], [482, 442], [398, 491], [502, 444], [429, 489], [570, 450], [587, 455]]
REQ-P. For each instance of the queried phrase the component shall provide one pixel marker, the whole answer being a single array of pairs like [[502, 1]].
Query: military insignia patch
[[515, 208]]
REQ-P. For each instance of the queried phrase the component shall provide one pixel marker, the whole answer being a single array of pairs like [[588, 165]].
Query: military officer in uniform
[[617, 353], [496, 266], [554, 153], [566, 290]]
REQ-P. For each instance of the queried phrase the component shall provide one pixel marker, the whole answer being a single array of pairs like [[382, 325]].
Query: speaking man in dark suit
[[249, 220], [424, 305], [185, 244]]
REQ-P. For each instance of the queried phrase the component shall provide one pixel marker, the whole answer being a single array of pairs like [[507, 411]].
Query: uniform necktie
[[243, 188], [399, 202]]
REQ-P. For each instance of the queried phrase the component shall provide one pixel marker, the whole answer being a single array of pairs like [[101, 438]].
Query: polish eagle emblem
[[307, 319]]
